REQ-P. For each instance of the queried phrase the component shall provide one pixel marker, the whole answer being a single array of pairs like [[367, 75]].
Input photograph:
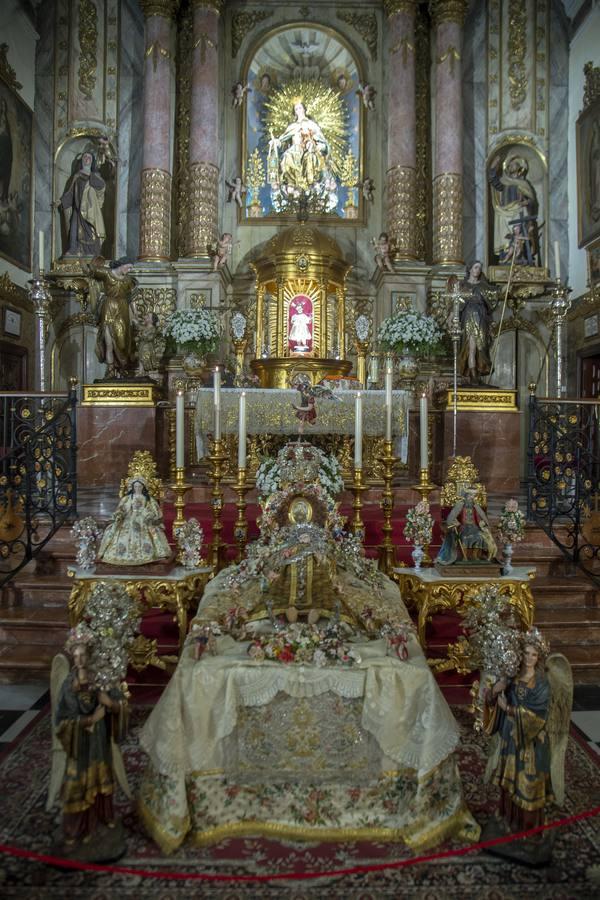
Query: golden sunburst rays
[[323, 105]]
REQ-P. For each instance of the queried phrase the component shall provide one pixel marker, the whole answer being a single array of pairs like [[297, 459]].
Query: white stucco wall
[[585, 47]]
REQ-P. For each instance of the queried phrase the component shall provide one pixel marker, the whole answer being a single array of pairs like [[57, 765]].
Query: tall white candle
[[388, 404], [179, 430], [242, 432], [217, 386], [41, 251], [557, 260], [358, 432], [423, 431]]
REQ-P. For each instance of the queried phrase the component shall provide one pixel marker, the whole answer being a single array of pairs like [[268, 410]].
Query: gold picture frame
[[593, 256], [588, 174]]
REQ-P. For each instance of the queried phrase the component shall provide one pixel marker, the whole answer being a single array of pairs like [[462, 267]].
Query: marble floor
[[21, 703]]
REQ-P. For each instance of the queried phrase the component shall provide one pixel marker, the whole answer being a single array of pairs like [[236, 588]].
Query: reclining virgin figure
[[302, 704]]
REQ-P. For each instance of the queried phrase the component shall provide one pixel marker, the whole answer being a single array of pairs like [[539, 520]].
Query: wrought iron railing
[[38, 473], [564, 476]]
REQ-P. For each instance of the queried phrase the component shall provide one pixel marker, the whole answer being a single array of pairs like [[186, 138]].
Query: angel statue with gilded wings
[[529, 717], [306, 412]]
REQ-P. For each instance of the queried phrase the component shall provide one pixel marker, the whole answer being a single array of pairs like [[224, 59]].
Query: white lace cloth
[[403, 708]]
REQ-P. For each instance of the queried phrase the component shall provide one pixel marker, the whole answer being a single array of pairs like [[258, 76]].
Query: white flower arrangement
[[193, 329], [409, 331]]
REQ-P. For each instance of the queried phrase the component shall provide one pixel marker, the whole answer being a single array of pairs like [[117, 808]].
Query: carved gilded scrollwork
[[402, 209], [88, 44], [366, 25], [447, 218], [165, 8], [517, 52], [161, 301], [155, 214], [203, 221], [591, 90], [448, 11], [7, 73], [242, 24]]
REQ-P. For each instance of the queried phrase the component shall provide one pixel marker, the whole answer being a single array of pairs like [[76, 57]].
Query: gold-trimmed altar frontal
[[430, 593], [119, 394], [480, 399], [176, 592]]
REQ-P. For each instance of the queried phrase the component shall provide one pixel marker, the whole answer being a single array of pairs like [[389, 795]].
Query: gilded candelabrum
[[358, 527], [424, 488], [180, 488], [387, 551], [241, 524], [217, 459]]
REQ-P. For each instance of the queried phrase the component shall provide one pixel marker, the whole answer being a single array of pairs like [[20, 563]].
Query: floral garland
[[193, 329], [86, 532], [409, 331], [419, 524], [273, 474], [493, 635], [189, 538], [511, 526], [111, 621]]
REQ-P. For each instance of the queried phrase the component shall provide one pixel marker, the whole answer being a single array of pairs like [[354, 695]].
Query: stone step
[[564, 591], [24, 663], [31, 590], [34, 625]]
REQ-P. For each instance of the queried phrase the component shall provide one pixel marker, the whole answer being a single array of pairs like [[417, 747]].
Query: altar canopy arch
[[303, 125]]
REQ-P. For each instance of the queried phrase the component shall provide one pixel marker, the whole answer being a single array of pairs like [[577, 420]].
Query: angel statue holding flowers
[[529, 717]]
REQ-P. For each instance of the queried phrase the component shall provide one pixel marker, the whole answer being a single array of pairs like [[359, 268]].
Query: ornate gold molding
[[366, 25], [162, 301], [242, 24], [448, 11], [6, 70], [406, 47], [591, 90], [217, 5], [517, 52], [453, 55], [203, 216], [155, 50], [88, 44], [155, 215], [447, 218], [391, 7], [402, 210], [165, 8], [11, 291]]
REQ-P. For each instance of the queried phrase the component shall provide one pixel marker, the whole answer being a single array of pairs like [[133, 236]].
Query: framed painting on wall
[[12, 322], [593, 255], [588, 173], [16, 177]]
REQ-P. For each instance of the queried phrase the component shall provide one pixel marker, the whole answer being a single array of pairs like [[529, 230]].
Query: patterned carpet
[[25, 823]]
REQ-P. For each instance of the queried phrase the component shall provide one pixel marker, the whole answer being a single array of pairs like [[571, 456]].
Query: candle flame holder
[[241, 524], [387, 551], [217, 460], [180, 489]]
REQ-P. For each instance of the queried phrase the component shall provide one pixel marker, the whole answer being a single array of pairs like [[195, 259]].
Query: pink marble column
[[401, 147], [448, 19], [204, 131], [157, 166]]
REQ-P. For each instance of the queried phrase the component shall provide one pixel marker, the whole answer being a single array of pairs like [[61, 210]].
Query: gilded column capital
[[217, 5], [448, 11], [392, 7], [165, 8]]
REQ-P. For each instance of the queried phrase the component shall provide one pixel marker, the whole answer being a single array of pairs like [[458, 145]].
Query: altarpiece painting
[[16, 176]]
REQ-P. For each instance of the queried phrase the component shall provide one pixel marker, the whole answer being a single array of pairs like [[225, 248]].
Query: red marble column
[[204, 131], [448, 18], [157, 165], [401, 147]]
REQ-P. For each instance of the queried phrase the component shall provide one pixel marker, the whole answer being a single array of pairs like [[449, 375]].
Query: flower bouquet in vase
[[194, 333], [418, 529], [409, 335], [511, 530]]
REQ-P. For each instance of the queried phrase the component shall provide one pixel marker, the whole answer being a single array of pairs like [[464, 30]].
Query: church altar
[[271, 411]]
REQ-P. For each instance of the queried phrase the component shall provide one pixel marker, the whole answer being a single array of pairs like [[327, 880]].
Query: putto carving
[[242, 24], [366, 25]]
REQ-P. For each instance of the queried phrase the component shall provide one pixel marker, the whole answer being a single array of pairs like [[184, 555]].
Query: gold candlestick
[[241, 525], [357, 526], [217, 459], [424, 488], [387, 551], [180, 489]]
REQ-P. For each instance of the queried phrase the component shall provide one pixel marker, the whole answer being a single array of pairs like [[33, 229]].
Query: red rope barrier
[[288, 876]]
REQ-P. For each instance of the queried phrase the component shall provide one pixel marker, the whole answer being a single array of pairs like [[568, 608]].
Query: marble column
[[203, 175], [448, 19], [402, 135], [157, 159]]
